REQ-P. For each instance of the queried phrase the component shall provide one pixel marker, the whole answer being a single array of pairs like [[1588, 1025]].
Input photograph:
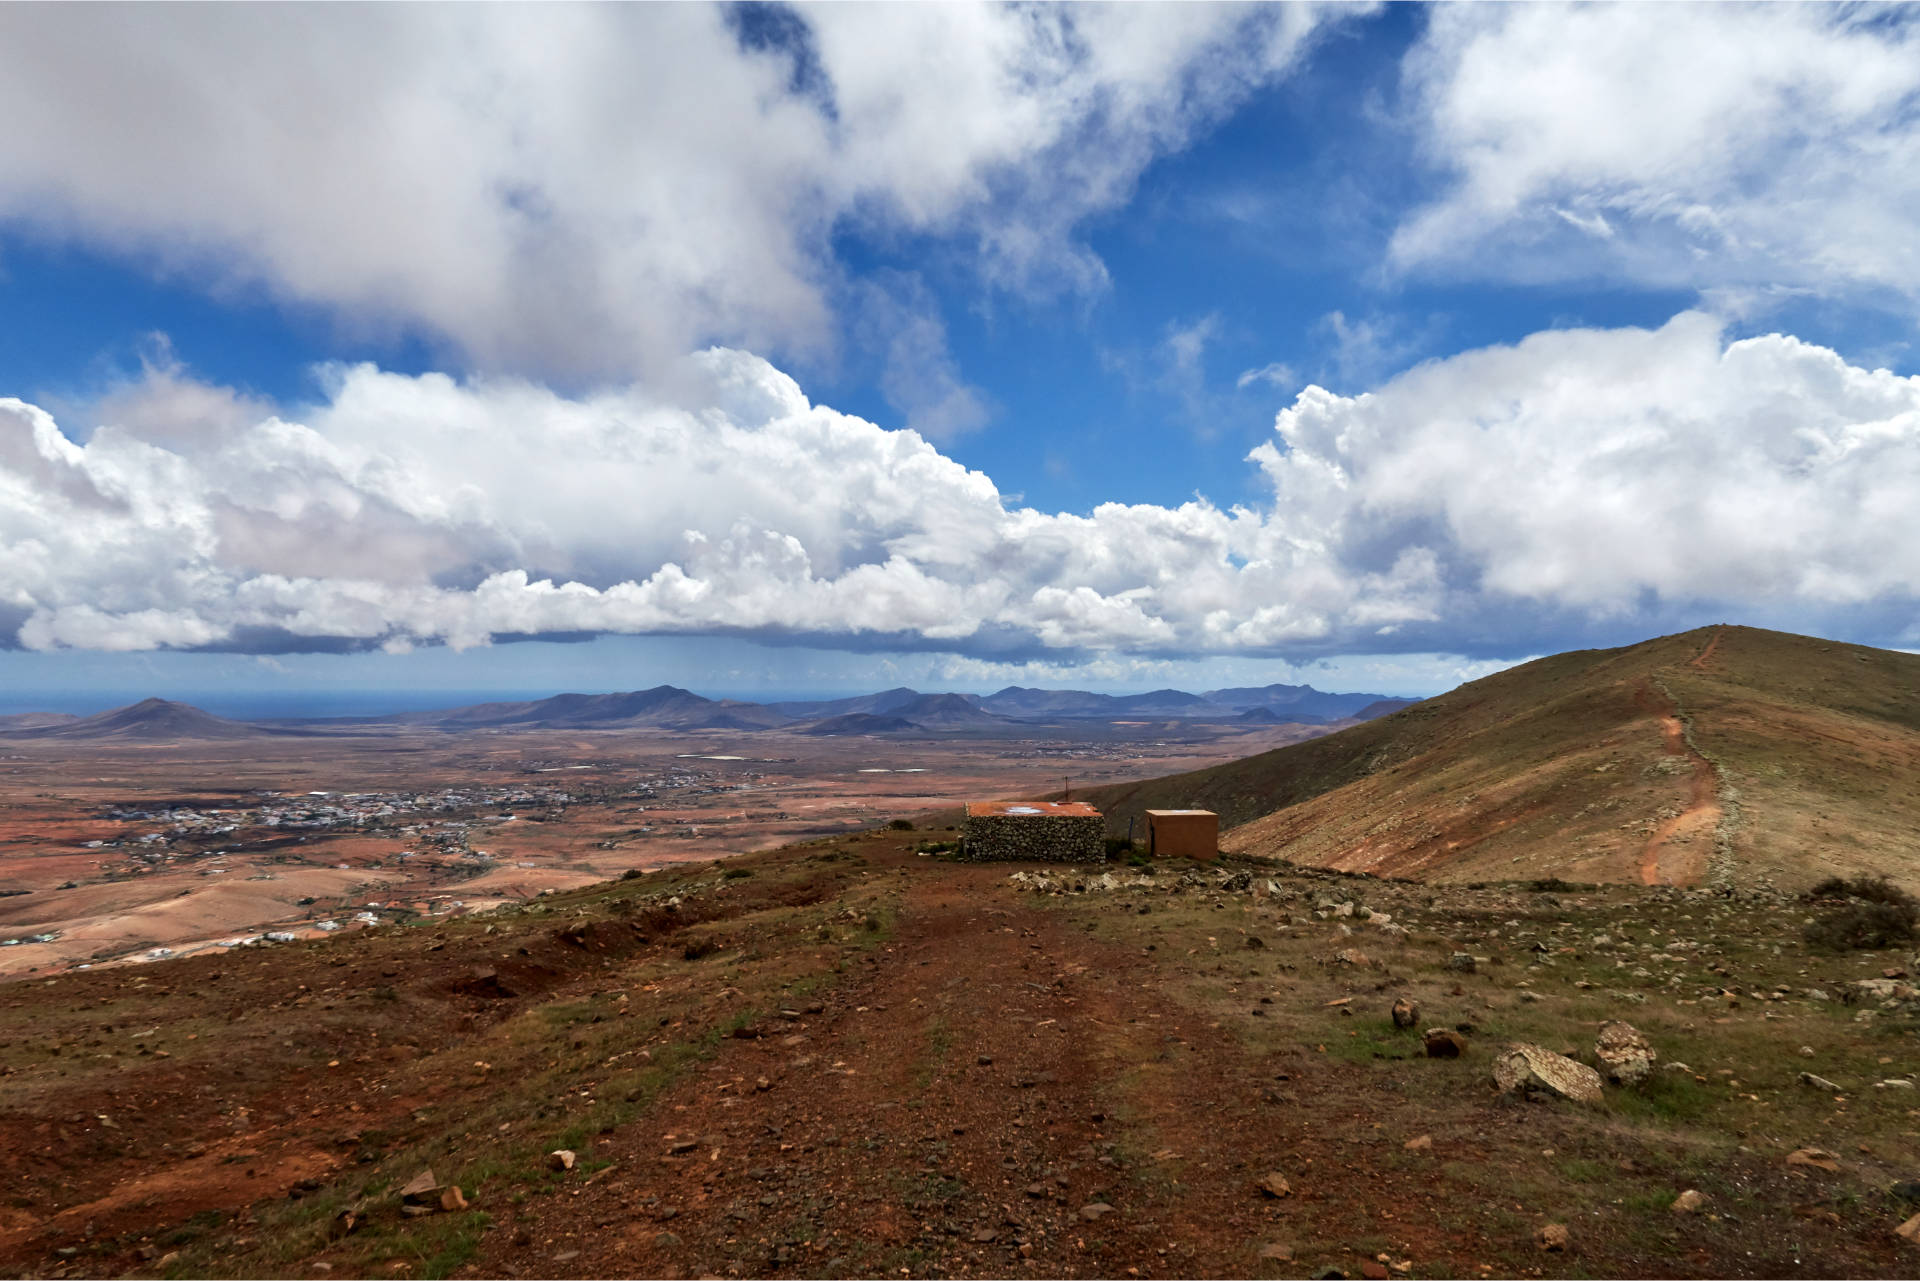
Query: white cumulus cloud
[[1467, 506], [593, 190], [1719, 146]]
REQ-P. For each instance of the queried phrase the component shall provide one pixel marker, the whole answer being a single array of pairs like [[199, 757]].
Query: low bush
[[1867, 913], [1868, 889], [901, 825]]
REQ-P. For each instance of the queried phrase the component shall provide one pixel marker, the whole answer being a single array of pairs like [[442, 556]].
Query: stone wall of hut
[[1039, 838]]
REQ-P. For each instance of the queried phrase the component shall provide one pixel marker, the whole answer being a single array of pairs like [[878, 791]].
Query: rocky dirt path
[[1677, 851], [998, 1094]]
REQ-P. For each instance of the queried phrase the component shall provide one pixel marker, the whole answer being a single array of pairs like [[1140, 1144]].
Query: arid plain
[[123, 851]]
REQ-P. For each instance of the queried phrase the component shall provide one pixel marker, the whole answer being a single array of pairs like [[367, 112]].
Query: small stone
[[562, 1159], [1814, 1159], [453, 1199], [1908, 1231], [1277, 1252], [1462, 963], [985, 1236], [1819, 1083], [1373, 1270], [1424, 1143], [1687, 1202], [683, 1147], [1406, 1013], [1275, 1185], [1444, 1043], [1095, 1210], [1553, 1238], [422, 1189]]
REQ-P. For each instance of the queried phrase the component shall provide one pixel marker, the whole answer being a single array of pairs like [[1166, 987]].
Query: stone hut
[[1033, 831], [1183, 834]]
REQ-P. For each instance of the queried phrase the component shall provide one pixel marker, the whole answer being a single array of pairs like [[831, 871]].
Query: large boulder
[[1626, 1057], [1527, 1069]]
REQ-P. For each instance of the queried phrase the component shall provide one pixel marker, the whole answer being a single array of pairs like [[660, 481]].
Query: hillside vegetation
[[1718, 755]]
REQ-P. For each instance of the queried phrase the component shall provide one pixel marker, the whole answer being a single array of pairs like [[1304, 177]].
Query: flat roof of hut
[[1017, 809]]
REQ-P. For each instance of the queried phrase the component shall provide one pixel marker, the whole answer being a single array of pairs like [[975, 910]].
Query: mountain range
[[894, 711]]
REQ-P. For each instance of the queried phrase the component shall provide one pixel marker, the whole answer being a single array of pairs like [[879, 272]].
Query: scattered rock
[[1625, 1055], [1277, 1252], [1422, 1144], [1406, 1013], [1528, 1069], [1814, 1159], [1910, 1230], [1095, 1210], [1553, 1238], [1905, 1191], [1819, 1083], [1462, 962], [422, 1189], [345, 1223], [1444, 1043], [562, 1159], [1353, 956], [1373, 1270], [1687, 1202], [1275, 1185], [985, 1236], [452, 1199], [683, 1147]]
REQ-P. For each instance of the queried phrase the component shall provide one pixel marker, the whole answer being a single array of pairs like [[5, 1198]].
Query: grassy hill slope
[[1722, 753]]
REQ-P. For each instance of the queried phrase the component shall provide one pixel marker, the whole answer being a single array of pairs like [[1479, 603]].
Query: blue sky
[[779, 350]]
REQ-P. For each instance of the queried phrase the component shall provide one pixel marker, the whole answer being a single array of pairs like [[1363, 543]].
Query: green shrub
[[1868, 889], [1867, 913], [901, 825]]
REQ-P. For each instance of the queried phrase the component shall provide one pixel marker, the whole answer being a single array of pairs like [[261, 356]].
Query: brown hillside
[[853, 1059], [1726, 753]]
